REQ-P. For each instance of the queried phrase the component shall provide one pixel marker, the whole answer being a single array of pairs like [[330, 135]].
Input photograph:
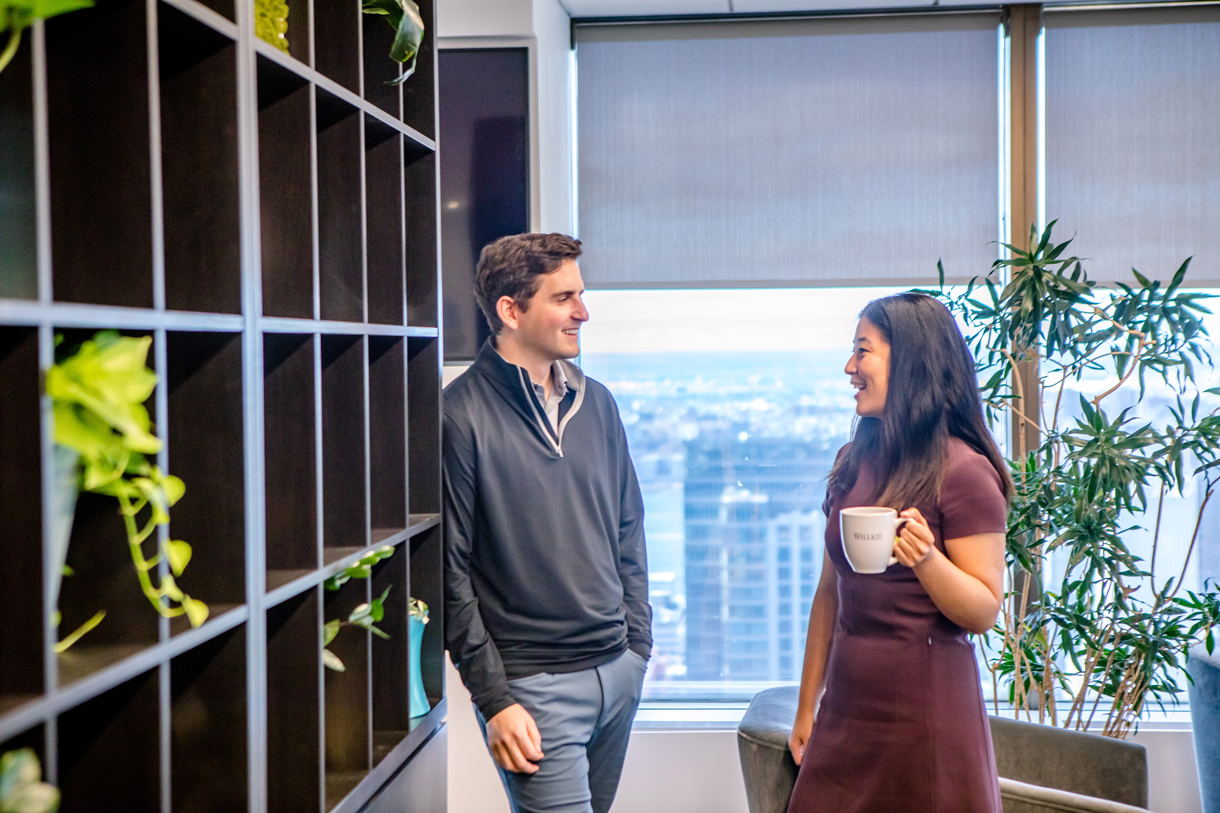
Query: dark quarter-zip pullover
[[545, 568]]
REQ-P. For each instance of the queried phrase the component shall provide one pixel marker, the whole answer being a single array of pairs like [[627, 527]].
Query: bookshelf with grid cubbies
[[269, 217]]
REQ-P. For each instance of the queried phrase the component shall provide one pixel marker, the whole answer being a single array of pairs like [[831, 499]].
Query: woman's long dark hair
[[933, 396]]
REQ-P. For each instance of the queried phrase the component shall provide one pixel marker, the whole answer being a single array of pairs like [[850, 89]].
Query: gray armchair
[[1205, 718], [1041, 768]]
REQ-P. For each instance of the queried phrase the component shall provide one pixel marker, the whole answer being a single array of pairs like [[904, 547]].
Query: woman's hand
[[802, 730], [915, 542]]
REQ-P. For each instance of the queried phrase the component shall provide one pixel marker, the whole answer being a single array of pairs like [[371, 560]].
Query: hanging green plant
[[404, 17], [18, 15], [366, 615], [102, 436], [271, 22], [21, 787]]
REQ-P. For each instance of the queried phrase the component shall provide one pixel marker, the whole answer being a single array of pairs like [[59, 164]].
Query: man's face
[[551, 326]]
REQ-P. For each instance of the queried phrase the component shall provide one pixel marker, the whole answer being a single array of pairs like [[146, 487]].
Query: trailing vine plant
[[97, 396], [18, 15], [1090, 632], [271, 22], [365, 615], [404, 17], [21, 787]]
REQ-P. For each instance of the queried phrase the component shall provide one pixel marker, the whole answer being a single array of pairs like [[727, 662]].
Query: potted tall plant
[[1091, 632]]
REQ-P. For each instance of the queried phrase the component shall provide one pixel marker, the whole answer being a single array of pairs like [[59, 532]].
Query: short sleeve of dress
[[971, 496]]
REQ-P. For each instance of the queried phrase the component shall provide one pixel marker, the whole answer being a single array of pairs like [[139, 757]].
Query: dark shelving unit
[[18, 222], [383, 196], [109, 749], [22, 638], [290, 474], [344, 491], [208, 718], [270, 220], [294, 718], [200, 181], [340, 209], [100, 156]]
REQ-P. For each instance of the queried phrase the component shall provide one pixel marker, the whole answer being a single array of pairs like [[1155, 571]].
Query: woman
[[901, 725]]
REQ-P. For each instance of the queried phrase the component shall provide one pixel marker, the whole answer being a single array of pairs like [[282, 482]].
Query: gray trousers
[[585, 721]]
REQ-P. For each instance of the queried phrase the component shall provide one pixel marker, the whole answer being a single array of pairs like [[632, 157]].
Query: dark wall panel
[[484, 102]]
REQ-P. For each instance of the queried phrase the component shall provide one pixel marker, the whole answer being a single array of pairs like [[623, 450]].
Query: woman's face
[[869, 369]]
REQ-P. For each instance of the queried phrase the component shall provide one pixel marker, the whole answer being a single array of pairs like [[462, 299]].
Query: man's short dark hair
[[513, 266]]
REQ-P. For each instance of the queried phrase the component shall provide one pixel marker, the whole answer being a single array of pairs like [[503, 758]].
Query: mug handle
[[897, 527]]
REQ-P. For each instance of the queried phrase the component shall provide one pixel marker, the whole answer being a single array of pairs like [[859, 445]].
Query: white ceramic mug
[[868, 534]]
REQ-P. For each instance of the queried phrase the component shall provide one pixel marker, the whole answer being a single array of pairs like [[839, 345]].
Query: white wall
[[666, 771], [481, 18], [1173, 779]]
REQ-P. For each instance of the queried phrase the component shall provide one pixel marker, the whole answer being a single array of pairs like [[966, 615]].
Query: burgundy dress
[[902, 725]]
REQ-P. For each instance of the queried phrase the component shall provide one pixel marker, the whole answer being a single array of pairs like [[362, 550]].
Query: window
[[745, 398], [738, 160]]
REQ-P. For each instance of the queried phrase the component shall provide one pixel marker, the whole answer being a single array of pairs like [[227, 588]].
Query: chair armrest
[[1039, 798]]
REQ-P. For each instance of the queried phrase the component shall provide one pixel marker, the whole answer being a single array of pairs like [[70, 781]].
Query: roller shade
[[1133, 138], [799, 152]]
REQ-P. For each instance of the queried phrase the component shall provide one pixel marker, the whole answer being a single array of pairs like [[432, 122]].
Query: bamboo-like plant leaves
[[404, 17], [1107, 632]]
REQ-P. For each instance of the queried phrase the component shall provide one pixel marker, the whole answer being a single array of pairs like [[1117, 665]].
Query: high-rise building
[[753, 538]]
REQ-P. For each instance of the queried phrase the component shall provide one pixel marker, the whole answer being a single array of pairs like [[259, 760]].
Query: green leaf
[[174, 487], [21, 787], [377, 609], [170, 589], [331, 661], [41, 9], [196, 611], [329, 630], [404, 17], [178, 554]]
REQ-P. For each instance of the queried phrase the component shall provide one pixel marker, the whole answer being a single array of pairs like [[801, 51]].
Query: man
[[546, 581]]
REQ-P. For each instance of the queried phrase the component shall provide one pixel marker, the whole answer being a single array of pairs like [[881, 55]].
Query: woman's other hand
[[802, 730], [915, 542]]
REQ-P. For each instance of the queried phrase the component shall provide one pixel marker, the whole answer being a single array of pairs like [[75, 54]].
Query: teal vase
[[418, 702]]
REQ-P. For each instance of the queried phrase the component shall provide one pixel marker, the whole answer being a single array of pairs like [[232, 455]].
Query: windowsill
[[677, 716], [659, 715]]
